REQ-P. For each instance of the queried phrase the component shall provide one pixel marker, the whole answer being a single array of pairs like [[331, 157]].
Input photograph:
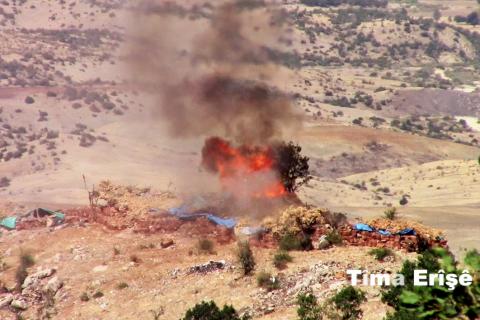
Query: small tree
[[245, 257], [347, 302], [391, 213], [292, 166], [210, 311], [308, 307]]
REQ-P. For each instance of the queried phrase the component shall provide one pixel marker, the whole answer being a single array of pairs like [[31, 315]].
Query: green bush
[[205, 246], [308, 307], [436, 302], [122, 285], [245, 257], [84, 297], [210, 311], [26, 261], [266, 281], [381, 253], [347, 303], [391, 213], [334, 237], [281, 259], [290, 242]]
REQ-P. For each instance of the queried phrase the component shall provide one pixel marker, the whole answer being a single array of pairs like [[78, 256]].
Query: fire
[[247, 170]]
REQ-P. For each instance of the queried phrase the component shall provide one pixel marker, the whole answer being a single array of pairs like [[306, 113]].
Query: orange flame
[[243, 165]]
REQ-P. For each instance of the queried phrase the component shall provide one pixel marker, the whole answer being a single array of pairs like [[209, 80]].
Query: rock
[[322, 243], [53, 285], [102, 203], [207, 267], [33, 278], [166, 243], [19, 304], [101, 268], [6, 300]]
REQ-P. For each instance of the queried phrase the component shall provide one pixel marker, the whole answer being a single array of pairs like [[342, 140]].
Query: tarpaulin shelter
[[11, 222], [383, 232], [182, 213]]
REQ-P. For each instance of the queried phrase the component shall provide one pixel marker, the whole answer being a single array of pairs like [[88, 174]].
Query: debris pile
[[37, 290], [208, 267], [321, 278]]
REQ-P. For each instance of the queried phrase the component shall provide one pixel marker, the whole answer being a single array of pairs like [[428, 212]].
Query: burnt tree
[[292, 166]]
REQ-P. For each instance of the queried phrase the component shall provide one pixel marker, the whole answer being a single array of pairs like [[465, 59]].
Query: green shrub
[[436, 302], [281, 259], [26, 261], [245, 257], [291, 242], [84, 297], [122, 285], [381, 253], [98, 294], [210, 311], [390, 213], [205, 246], [308, 307], [266, 281], [334, 237], [347, 303]]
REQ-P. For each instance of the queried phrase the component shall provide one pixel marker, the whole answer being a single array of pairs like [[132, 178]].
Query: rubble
[[207, 267], [6, 300], [19, 304], [321, 278]]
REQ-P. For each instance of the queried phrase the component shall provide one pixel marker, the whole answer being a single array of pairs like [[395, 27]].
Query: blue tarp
[[9, 222], [363, 227], [182, 213], [383, 232], [407, 232]]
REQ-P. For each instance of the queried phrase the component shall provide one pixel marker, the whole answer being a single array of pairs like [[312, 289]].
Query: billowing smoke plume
[[211, 69]]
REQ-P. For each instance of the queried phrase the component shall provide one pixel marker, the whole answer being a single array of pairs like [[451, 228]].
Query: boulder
[[19, 304], [33, 278], [6, 300], [322, 243], [53, 285]]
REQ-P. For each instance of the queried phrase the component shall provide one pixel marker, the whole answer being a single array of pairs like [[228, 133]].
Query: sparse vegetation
[[381, 253], [205, 246], [26, 261], [266, 281], [281, 259], [210, 311], [122, 285], [347, 303], [308, 307], [344, 305], [391, 213], [245, 257], [334, 237]]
